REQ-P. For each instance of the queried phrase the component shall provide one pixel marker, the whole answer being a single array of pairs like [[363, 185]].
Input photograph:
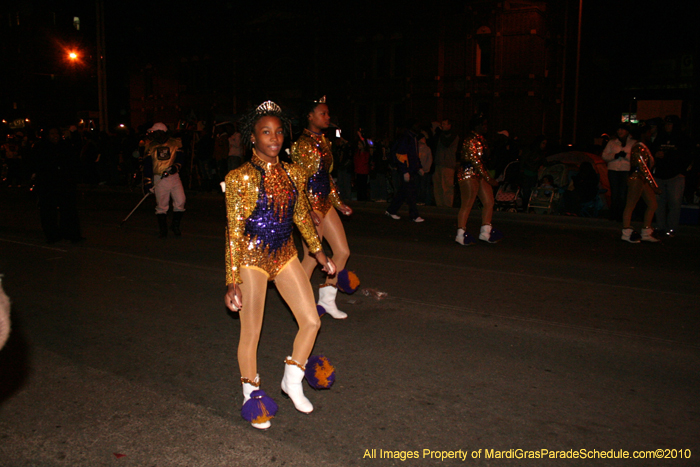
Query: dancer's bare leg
[[649, 198], [468, 191], [335, 236], [295, 288], [486, 197], [634, 192], [309, 262], [253, 290]]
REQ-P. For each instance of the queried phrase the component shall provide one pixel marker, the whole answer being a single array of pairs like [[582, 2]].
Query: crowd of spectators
[[366, 168], [116, 157], [580, 192]]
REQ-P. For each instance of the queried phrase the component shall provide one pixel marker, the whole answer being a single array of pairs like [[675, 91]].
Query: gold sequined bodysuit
[[470, 164], [640, 160], [312, 152], [262, 204]]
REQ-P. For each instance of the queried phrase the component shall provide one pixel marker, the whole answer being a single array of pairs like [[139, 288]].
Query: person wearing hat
[[617, 155], [673, 154], [162, 163]]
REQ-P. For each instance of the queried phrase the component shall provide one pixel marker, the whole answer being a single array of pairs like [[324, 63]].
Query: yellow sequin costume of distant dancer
[[640, 162], [263, 199], [312, 152], [471, 164]]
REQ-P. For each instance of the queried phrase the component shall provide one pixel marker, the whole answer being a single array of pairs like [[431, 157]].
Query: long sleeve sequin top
[[641, 162], [312, 152], [262, 204], [470, 163]]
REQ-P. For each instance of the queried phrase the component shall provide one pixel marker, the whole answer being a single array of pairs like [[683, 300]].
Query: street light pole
[[101, 68]]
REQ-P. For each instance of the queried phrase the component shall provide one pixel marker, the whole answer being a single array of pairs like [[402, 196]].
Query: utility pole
[[562, 97], [101, 68], [578, 70]]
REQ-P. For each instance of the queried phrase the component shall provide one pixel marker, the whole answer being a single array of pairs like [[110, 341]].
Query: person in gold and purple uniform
[[474, 180], [265, 198], [312, 153], [640, 184]]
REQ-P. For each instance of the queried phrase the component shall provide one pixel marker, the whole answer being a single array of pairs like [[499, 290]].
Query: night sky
[[620, 36]]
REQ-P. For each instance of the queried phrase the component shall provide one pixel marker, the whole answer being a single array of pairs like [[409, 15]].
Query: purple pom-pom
[[321, 311], [260, 408], [348, 282], [320, 374], [496, 235], [468, 239]]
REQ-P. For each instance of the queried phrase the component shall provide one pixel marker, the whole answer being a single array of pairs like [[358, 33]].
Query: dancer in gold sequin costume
[[264, 199], [474, 180], [312, 152], [640, 184]]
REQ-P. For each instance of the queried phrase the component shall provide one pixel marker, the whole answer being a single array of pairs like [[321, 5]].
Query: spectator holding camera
[[617, 155]]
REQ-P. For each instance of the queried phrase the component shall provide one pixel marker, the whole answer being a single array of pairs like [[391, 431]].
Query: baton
[[137, 206]]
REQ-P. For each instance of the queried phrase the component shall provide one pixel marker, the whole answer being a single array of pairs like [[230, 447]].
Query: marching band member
[[474, 180], [160, 171], [264, 199], [312, 152], [640, 184]]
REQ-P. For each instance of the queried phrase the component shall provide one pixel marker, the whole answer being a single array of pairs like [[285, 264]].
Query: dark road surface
[[559, 338]]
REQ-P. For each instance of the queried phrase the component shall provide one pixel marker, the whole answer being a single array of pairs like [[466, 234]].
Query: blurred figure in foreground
[[55, 168]]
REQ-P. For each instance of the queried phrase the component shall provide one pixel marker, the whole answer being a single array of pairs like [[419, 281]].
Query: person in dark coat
[[56, 167]]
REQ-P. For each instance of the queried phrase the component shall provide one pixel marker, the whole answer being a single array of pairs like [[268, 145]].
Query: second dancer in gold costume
[[264, 199], [474, 180], [312, 152], [640, 184]]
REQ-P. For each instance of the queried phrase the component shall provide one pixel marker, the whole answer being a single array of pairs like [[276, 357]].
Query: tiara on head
[[268, 106], [322, 100]]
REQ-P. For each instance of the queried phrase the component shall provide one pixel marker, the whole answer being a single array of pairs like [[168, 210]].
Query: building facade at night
[[502, 59], [515, 61], [505, 59]]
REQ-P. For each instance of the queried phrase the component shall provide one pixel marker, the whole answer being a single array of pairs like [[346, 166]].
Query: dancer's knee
[[341, 254], [310, 324]]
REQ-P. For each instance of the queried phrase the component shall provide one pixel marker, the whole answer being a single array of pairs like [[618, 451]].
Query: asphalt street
[[561, 338]]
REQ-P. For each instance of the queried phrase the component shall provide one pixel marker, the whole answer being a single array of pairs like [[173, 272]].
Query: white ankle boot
[[326, 298], [248, 388], [291, 385], [463, 238], [489, 234], [647, 236], [630, 235]]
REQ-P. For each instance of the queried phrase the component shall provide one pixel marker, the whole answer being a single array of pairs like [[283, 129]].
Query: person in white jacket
[[617, 155]]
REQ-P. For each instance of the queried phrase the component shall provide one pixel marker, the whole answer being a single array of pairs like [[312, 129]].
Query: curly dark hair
[[251, 118]]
